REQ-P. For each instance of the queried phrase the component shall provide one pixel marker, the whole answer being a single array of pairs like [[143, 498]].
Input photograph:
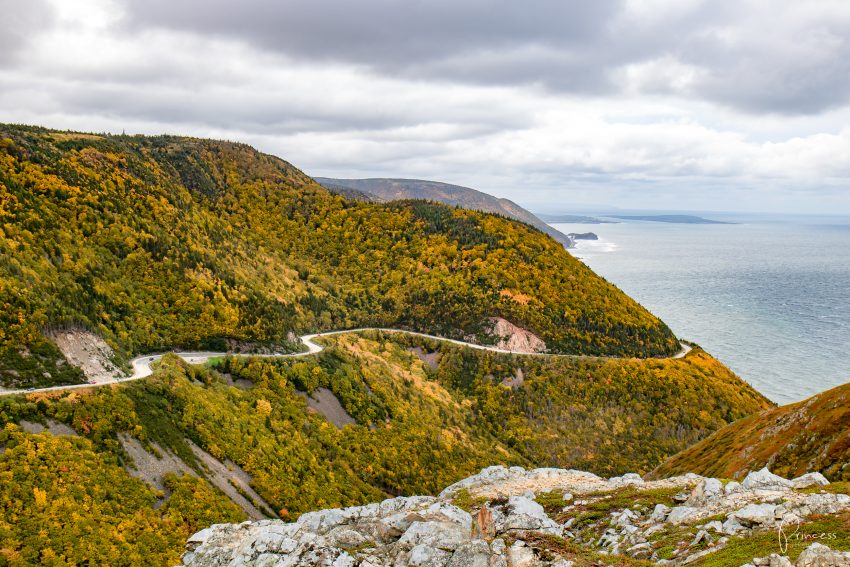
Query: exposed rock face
[[509, 525], [88, 352], [515, 338]]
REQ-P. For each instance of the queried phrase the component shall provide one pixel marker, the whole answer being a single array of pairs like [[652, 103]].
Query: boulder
[[442, 535], [519, 555], [825, 503], [707, 490], [659, 514], [714, 526], [766, 480], [628, 479], [523, 514], [772, 560], [756, 515], [818, 555], [427, 556], [810, 479], [681, 514], [473, 554]]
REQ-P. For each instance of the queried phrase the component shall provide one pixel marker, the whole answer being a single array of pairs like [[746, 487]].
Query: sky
[[560, 105]]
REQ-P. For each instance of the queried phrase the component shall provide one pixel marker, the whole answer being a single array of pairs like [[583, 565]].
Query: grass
[[553, 546], [552, 502], [630, 497], [832, 531], [465, 501], [835, 488]]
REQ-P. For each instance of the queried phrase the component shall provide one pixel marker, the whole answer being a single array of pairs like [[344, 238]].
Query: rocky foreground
[[515, 517]]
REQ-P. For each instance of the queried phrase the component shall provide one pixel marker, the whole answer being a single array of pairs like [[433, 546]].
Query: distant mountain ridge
[[672, 219], [389, 189]]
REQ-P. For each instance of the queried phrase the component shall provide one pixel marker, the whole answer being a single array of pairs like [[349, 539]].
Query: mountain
[[163, 242], [558, 518], [400, 189], [810, 435], [142, 465], [116, 246]]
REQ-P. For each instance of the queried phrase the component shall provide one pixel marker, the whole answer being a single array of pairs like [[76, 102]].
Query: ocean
[[769, 296]]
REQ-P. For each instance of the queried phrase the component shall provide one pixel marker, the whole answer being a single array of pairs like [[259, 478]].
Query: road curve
[[142, 364]]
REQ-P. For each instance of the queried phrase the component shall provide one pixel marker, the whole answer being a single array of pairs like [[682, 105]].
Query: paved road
[[142, 364]]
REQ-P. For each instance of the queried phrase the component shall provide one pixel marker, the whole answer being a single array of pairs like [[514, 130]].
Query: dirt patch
[[431, 359], [233, 481], [240, 383], [54, 427], [324, 402], [152, 468], [88, 352], [227, 477], [515, 338], [516, 381]]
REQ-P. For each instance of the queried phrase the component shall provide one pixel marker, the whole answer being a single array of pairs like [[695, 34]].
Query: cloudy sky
[[557, 104]]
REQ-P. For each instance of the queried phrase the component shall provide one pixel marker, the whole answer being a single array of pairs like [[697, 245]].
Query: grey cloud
[[568, 46], [20, 21]]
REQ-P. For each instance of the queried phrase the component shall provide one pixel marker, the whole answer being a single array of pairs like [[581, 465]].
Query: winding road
[[142, 364]]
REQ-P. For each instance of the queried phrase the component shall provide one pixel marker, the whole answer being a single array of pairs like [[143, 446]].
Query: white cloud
[[650, 140]]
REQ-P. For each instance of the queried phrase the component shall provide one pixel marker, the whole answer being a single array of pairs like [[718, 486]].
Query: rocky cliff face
[[552, 517]]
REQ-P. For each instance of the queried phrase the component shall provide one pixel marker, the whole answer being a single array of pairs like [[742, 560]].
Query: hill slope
[[163, 242], [400, 189], [812, 435], [424, 415]]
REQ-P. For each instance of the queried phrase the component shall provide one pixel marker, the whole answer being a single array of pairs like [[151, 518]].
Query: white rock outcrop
[[509, 528]]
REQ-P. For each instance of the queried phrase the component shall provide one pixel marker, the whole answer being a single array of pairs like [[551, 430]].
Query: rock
[[426, 556], [473, 554], [732, 526], [707, 490], [681, 514], [424, 531], [659, 514], [201, 536], [810, 479], [764, 479], [818, 555], [443, 535], [756, 514], [626, 480], [776, 560], [625, 518], [825, 503], [521, 556], [701, 536], [640, 551], [523, 514], [714, 526], [681, 497]]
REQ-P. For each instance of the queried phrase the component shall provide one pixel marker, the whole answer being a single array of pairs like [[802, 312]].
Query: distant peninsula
[[572, 219], [672, 219]]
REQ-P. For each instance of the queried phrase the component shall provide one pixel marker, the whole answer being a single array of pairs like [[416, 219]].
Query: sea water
[[768, 296]]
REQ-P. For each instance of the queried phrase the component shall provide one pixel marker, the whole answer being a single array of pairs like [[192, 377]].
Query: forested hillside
[[163, 242], [427, 414], [812, 435]]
